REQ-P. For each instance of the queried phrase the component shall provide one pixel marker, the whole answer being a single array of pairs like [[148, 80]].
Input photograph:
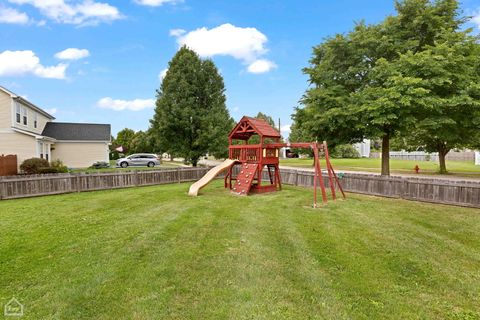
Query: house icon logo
[[13, 308]]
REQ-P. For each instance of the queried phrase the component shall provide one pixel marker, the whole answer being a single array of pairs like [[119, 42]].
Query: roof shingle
[[77, 131], [260, 126]]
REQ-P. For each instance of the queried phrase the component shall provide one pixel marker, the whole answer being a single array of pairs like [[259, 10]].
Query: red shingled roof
[[259, 126]]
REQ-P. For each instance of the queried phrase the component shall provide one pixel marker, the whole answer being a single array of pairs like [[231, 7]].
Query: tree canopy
[[143, 141], [124, 139], [409, 75], [191, 118], [449, 74]]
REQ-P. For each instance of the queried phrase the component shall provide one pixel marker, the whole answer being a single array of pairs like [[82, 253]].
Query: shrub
[[58, 166], [37, 165], [100, 165], [48, 170], [33, 165], [345, 151]]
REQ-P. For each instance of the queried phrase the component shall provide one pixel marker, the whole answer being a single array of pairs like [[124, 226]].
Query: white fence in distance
[[425, 156]]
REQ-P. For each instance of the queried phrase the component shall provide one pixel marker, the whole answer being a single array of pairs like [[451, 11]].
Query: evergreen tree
[[191, 118]]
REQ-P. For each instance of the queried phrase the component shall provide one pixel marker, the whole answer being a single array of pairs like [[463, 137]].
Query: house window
[[35, 120], [40, 149], [18, 116], [24, 113]]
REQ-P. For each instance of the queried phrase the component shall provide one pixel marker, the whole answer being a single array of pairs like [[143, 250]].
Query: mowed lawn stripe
[[154, 252], [386, 263]]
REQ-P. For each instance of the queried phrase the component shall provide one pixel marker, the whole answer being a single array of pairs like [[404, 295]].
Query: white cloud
[[156, 3], [245, 44], [119, 105], [176, 32], [17, 63], [235, 109], [9, 15], [476, 19], [162, 74], [240, 43], [286, 128], [261, 66], [72, 54], [86, 12]]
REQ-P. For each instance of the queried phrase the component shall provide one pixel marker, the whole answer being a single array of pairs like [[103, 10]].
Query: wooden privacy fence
[[454, 192], [48, 184], [8, 165]]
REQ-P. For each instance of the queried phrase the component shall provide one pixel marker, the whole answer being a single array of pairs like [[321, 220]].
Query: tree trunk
[[194, 162], [386, 154], [442, 153], [171, 157]]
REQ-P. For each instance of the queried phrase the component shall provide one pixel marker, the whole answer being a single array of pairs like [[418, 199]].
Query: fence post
[[1, 188], [135, 178], [296, 177], [404, 188], [178, 176], [77, 180]]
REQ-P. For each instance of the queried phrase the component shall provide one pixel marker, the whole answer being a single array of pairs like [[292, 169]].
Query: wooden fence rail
[[39, 185], [454, 192]]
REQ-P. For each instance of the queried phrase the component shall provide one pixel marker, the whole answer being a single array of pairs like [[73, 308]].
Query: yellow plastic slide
[[209, 176]]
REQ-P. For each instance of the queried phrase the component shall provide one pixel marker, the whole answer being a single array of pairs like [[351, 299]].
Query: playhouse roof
[[248, 126]]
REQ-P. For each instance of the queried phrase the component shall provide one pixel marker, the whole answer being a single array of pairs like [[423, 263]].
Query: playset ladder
[[245, 178]]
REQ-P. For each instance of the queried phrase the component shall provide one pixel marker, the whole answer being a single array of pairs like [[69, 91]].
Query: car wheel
[[151, 165], [123, 164]]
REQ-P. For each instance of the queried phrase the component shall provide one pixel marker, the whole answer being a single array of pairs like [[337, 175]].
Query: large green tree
[[450, 72], [191, 118], [360, 88], [439, 61], [342, 68]]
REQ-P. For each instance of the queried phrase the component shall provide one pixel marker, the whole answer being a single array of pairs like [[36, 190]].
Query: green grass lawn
[[155, 253], [463, 168]]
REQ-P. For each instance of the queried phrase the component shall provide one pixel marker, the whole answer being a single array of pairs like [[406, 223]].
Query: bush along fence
[[453, 192]]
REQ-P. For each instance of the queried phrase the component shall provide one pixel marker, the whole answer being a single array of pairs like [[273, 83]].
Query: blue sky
[[118, 49]]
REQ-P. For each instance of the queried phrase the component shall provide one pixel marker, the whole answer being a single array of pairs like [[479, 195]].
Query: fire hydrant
[[417, 168]]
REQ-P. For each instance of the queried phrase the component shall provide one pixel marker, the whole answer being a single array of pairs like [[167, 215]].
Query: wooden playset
[[254, 168]]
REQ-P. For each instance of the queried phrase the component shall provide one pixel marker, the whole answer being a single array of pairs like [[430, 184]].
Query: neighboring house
[[28, 131]]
